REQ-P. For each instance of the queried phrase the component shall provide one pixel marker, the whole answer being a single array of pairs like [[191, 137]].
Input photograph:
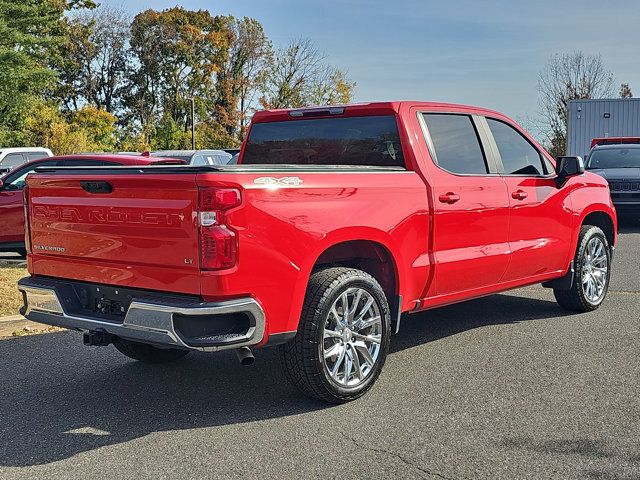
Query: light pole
[[193, 123]]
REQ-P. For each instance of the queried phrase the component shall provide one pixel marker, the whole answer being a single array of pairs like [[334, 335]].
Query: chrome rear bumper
[[147, 321]]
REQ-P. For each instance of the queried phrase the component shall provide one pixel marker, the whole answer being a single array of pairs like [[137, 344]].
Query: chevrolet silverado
[[335, 221]]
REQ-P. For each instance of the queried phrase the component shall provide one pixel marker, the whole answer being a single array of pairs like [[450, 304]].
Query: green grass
[[10, 297]]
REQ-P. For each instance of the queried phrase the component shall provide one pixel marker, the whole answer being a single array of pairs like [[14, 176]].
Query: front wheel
[[592, 272], [148, 353], [343, 336]]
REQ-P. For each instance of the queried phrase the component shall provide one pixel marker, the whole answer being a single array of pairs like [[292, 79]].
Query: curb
[[16, 323], [22, 263], [12, 318]]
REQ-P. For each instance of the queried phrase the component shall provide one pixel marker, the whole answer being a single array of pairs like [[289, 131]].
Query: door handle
[[449, 198], [519, 195]]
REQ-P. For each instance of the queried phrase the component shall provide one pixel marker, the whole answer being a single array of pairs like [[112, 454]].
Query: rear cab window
[[351, 141]]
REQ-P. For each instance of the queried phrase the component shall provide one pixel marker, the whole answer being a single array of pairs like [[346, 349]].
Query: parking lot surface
[[508, 386]]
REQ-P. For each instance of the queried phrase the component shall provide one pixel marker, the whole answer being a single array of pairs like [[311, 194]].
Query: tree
[[31, 32], [298, 76], [625, 91], [177, 53], [94, 68], [87, 130], [241, 74], [569, 77], [331, 88]]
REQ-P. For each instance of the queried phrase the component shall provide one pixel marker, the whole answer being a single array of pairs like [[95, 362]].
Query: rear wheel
[[592, 272], [146, 353], [343, 336]]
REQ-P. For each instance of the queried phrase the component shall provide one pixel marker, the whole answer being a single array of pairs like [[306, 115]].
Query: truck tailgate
[[120, 229]]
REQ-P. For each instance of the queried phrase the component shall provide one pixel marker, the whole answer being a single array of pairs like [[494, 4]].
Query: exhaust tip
[[245, 362], [245, 357]]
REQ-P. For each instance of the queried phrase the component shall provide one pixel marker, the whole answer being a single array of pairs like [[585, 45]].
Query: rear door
[[541, 220], [116, 227], [471, 206]]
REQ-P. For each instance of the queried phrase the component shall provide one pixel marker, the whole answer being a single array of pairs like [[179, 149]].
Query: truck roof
[[370, 108]]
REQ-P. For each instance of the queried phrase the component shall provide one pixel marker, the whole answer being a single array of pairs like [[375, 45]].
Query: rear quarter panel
[[283, 230]]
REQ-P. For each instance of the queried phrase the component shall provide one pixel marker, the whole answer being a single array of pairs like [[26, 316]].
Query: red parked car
[[335, 221], [12, 184]]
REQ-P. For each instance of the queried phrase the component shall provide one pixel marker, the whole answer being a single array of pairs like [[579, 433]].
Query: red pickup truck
[[335, 222]]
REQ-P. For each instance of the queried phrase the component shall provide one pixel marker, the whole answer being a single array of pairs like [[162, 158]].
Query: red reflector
[[218, 199], [218, 248]]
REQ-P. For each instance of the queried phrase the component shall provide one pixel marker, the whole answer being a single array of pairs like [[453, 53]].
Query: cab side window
[[518, 156], [456, 143]]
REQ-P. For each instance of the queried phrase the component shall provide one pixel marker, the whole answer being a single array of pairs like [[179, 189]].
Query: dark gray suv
[[619, 164]]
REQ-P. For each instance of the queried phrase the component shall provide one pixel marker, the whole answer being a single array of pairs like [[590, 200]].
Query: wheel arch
[[371, 251], [604, 221]]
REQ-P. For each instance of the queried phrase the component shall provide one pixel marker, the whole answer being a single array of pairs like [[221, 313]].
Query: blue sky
[[485, 53]]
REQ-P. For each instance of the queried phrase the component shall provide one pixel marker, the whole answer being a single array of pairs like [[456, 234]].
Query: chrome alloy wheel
[[351, 338], [595, 270]]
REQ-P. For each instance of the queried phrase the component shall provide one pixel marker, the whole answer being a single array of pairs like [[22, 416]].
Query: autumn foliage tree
[[242, 73], [298, 75], [177, 54], [94, 67], [93, 79]]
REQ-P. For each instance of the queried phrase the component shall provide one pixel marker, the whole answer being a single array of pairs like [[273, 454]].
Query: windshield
[[367, 141], [614, 158]]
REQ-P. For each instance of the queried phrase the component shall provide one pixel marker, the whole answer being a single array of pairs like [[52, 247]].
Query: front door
[[541, 219]]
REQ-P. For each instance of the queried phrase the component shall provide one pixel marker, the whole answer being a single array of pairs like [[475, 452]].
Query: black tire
[[574, 299], [146, 353], [303, 357]]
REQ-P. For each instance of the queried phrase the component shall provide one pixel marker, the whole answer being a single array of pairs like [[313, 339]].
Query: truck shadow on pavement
[[628, 225], [60, 398]]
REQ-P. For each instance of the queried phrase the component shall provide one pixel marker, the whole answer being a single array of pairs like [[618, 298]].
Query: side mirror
[[567, 167]]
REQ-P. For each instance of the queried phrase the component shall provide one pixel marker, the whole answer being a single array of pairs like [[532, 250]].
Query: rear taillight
[[27, 227], [218, 241]]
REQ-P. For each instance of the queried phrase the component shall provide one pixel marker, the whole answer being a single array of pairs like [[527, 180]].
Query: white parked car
[[14, 157]]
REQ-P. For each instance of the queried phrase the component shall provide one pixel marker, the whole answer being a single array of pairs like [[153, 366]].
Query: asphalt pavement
[[505, 387]]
